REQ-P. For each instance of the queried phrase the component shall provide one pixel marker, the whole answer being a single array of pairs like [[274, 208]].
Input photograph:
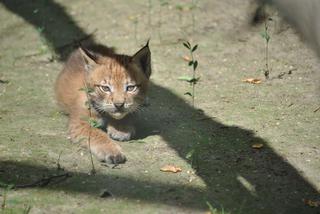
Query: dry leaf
[[257, 146], [171, 168], [186, 58], [252, 80], [311, 203]]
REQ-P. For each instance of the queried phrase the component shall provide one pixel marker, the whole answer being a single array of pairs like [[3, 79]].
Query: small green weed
[[92, 122], [193, 80], [193, 154]]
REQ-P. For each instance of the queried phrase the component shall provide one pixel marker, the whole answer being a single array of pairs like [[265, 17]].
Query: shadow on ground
[[51, 20], [238, 178]]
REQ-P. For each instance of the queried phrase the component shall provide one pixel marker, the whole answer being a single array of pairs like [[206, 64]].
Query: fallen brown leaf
[[252, 80], [311, 203], [170, 168], [257, 146], [186, 58]]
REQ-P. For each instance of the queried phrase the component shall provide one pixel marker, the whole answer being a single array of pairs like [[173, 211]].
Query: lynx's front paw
[[110, 153], [121, 133]]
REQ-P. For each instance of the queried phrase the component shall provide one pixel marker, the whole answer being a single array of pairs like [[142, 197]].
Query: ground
[[229, 116]]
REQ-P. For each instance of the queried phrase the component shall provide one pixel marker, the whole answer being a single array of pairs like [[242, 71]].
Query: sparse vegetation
[[217, 144], [193, 63], [193, 154], [265, 34], [93, 124]]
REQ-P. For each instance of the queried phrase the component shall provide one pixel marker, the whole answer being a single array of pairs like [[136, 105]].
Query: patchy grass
[[232, 177]]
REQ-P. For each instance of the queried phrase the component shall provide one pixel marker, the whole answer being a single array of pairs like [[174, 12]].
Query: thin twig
[[115, 166], [194, 5], [93, 170], [29, 55], [4, 200], [193, 77], [58, 162], [160, 23], [317, 109], [266, 73], [44, 181]]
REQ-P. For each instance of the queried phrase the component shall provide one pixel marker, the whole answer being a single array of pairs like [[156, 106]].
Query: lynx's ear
[[143, 59], [89, 58]]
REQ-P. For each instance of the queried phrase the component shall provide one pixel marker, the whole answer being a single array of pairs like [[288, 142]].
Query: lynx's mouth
[[118, 114]]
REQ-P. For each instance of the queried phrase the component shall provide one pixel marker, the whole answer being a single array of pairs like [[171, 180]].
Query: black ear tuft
[[89, 58], [143, 59], [147, 45]]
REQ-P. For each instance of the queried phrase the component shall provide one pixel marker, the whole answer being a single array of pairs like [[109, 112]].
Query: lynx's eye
[[105, 88], [131, 88]]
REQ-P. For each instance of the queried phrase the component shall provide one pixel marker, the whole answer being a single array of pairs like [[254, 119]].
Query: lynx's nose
[[118, 105]]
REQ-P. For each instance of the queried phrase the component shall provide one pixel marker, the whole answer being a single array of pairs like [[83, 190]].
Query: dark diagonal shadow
[[237, 178], [51, 20], [154, 192]]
